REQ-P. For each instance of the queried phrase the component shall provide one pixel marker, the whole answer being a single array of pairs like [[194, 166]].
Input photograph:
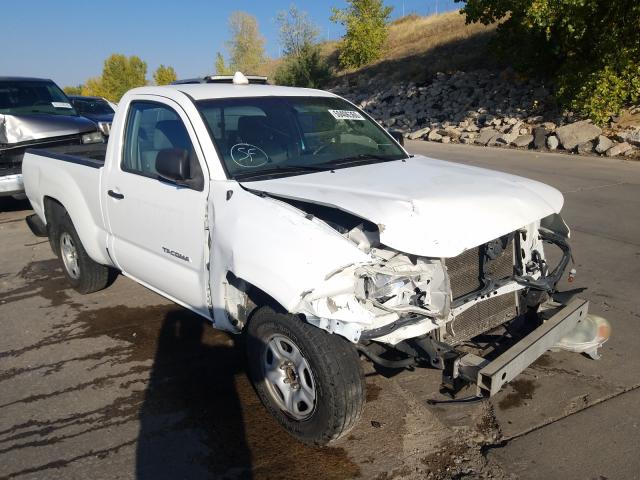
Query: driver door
[[158, 227]]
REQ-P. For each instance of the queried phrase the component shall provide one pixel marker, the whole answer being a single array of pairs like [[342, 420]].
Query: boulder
[[539, 137], [453, 132], [552, 142], [603, 144], [434, 136], [572, 135], [446, 139], [634, 138], [523, 141], [618, 149], [485, 136], [584, 148], [419, 133], [506, 138]]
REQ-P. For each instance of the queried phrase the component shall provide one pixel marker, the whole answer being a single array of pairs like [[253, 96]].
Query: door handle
[[116, 195]]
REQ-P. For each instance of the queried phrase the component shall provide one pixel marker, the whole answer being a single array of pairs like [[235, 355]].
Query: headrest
[[252, 127], [170, 134]]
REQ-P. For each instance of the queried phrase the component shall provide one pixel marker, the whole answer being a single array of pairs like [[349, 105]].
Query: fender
[[273, 246]]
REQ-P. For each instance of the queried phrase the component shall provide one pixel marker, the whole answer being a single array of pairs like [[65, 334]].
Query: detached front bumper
[[555, 333], [11, 185]]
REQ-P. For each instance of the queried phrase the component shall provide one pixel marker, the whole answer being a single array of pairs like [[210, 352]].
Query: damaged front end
[[453, 313]]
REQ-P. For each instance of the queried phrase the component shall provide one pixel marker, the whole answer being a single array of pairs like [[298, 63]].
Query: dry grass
[[414, 34], [418, 47]]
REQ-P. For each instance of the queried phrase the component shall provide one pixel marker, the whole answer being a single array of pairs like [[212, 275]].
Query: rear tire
[[84, 275], [311, 381]]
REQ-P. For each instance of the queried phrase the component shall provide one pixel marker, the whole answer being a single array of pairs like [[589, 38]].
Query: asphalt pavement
[[124, 384]]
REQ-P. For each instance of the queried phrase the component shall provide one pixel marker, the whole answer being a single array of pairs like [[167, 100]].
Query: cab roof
[[210, 91]]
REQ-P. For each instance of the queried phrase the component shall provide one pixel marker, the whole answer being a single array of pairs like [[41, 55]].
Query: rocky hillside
[[472, 99], [491, 109]]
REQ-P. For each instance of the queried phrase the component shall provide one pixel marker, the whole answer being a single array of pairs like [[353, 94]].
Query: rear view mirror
[[397, 136], [173, 164]]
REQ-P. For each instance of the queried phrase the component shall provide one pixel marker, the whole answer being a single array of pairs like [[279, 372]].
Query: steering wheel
[[322, 147]]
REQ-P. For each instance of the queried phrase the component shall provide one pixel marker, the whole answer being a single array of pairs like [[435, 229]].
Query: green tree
[[77, 90], [246, 47], [303, 64], [590, 48], [365, 22], [119, 74], [164, 75], [221, 67], [307, 69]]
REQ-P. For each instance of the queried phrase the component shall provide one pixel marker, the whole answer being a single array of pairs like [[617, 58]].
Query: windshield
[[92, 106], [33, 97], [258, 136]]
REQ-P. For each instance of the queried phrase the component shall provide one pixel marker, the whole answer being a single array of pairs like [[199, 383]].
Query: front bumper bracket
[[491, 376]]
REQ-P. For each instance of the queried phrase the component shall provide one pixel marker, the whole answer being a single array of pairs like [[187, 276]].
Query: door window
[[151, 128]]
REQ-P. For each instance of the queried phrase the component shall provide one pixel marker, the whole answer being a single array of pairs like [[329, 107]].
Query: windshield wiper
[[360, 157], [285, 168]]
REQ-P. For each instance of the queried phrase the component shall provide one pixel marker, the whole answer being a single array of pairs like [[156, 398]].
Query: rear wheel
[[84, 275], [309, 380]]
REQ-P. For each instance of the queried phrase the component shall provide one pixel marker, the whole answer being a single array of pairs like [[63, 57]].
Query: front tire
[[311, 381], [84, 275]]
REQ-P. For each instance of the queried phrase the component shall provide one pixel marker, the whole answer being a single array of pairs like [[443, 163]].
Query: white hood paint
[[425, 206]]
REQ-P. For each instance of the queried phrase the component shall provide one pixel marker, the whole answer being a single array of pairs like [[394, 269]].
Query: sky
[[68, 40]]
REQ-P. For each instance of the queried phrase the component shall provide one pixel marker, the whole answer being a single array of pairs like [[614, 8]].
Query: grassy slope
[[417, 48]]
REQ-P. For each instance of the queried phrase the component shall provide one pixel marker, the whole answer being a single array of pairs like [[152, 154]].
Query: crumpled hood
[[23, 128], [425, 206]]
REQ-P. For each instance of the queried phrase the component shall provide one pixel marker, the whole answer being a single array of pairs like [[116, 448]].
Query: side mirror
[[397, 136], [173, 164]]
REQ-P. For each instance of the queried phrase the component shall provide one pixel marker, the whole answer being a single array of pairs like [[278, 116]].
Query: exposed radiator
[[465, 276], [465, 270], [481, 317]]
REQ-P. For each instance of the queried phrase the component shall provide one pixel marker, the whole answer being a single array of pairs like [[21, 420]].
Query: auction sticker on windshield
[[61, 104], [346, 115]]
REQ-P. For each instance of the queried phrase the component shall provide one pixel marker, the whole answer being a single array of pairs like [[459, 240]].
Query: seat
[[257, 130], [166, 134]]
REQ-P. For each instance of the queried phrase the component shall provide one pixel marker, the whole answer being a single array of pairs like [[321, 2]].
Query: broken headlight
[[382, 287]]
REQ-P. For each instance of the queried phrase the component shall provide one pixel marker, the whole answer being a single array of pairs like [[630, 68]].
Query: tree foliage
[[119, 74], [591, 48], [302, 64], [295, 31], [77, 90], [164, 75], [220, 66], [307, 69], [246, 47], [365, 22]]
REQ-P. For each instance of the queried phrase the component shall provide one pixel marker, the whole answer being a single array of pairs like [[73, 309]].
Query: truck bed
[[92, 155]]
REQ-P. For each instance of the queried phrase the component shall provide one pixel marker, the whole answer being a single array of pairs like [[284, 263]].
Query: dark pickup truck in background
[[35, 112], [97, 109]]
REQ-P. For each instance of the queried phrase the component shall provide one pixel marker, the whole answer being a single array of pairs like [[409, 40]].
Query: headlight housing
[[381, 287], [92, 137]]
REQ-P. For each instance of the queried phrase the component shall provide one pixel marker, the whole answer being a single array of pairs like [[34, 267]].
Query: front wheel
[[311, 381]]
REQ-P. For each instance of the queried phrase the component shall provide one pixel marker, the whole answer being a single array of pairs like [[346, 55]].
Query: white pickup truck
[[291, 216]]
